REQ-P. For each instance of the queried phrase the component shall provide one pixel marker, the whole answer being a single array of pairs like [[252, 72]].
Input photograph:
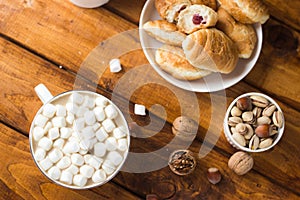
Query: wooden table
[[47, 41]]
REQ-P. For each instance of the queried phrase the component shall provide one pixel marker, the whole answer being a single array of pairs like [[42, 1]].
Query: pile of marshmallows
[[79, 142]]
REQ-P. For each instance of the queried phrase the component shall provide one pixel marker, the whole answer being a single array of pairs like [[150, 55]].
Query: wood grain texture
[[188, 187], [21, 179], [66, 34]]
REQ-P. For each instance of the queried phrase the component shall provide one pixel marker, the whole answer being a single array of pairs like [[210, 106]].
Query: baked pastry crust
[[211, 49], [246, 11], [210, 3], [188, 23], [169, 9], [243, 35], [172, 60], [164, 32]]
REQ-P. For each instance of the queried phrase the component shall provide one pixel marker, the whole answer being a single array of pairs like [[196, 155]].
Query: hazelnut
[[263, 130], [244, 103], [214, 175], [152, 197], [182, 162], [240, 163], [185, 127]]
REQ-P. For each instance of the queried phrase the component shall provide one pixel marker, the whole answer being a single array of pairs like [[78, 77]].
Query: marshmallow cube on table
[[115, 65], [139, 109]]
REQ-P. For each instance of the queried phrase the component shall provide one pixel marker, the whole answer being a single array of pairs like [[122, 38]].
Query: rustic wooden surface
[[37, 38]]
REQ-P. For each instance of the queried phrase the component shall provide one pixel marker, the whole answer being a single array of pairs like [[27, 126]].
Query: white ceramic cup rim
[[46, 97], [227, 131]]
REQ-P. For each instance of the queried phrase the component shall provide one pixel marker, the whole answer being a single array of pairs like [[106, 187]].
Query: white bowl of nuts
[[78, 139], [254, 122]]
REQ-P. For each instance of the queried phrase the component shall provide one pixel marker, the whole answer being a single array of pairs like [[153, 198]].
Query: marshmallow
[[66, 177], [108, 167], [54, 173], [61, 111], [47, 127], [87, 132], [115, 65], [111, 112], [108, 125], [71, 147], [95, 162], [74, 137], [53, 133], [83, 151], [87, 158], [139, 109], [65, 132], [87, 171], [49, 110], [122, 144], [55, 155], [111, 144], [39, 154], [64, 162], [59, 143], [78, 124], [88, 102], [59, 122], [119, 132], [85, 144], [72, 108], [38, 133], [81, 111], [77, 159], [40, 120], [70, 118], [99, 176], [45, 143], [99, 149], [101, 101], [96, 126], [93, 142], [46, 163], [101, 134], [79, 180], [76, 98], [73, 169], [99, 114], [115, 157], [89, 117]]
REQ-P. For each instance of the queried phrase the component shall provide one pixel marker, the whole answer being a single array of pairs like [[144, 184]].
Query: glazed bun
[[172, 60], [196, 17], [246, 11], [212, 50], [243, 35]]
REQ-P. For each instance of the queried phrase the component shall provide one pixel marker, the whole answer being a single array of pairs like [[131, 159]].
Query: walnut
[[240, 163], [182, 162]]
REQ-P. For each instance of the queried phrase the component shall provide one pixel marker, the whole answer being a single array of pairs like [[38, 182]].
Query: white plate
[[211, 83]]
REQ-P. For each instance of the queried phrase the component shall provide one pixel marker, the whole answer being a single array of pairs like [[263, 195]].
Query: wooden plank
[[19, 84], [45, 28], [128, 11], [21, 179]]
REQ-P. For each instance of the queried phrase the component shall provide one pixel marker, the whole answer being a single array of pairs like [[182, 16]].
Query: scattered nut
[[213, 175], [182, 162], [185, 127], [240, 163]]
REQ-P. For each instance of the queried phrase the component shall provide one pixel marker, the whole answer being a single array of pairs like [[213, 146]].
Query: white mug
[[89, 3]]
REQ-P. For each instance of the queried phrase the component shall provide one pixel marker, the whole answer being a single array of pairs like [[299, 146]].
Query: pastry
[[196, 17], [246, 11], [210, 3], [169, 9], [211, 49], [243, 35], [172, 60], [164, 32]]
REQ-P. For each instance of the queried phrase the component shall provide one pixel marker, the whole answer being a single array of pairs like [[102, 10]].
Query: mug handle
[[43, 93]]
